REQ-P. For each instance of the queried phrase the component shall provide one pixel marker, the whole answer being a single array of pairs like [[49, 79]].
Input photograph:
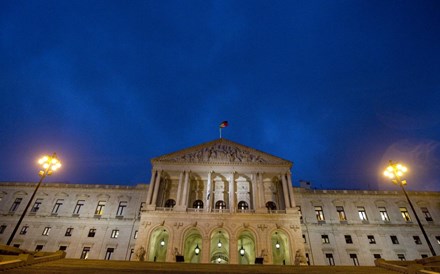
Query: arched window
[[170, 203], [271, 205], [198, 204], [220, 205], [243, 205]]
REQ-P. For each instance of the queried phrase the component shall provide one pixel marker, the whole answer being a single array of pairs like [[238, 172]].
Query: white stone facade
[[232, 204]]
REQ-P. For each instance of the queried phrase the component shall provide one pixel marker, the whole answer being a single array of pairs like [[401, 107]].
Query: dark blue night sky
[[337, 87]]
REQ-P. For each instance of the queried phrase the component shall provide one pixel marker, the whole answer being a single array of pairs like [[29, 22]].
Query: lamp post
[[49, 164], [395, 171]]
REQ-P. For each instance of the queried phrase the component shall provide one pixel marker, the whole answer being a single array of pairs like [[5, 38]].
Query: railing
[[164, 209]]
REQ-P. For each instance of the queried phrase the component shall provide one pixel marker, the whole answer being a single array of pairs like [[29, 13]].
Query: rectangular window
[[401, 257], [92, 232], [405, 214], [341, 213], [115, 233], [2, 228], [36, 205], [394, 240], [308, 258], [417, 240], [141, 208], [325, 239], [121, 208], [348, 239], [78, 206], [109, 253], [330, 260], [384, 214], [63, 247], [319, 213], [426, 213], [131, 254], [57, 206], [68, 232], [100, 208], [15, 204], [371, 239], [354, 258], [377, 256], [85, 252], [424, 256], [17, 245], [39, 247], [362, 213], [300, 214], [304, 238], [135, 235], [46, 231], [438, 239], [24, 230]]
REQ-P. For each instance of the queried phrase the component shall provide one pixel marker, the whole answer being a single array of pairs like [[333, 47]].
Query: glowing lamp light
[[162, 243], [242, 251], [219, 260], [219, 244], [277, 245], [197, 250]]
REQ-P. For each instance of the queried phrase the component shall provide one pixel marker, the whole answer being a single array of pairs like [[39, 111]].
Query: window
[[304, 238], [271, 205], [243, 205], [405, 214], [300, 214], [354, 258], [63, 247], [401, 257], [341, 213], [131, 254], [417, 240], [109, 253], [425, 212], [424, 256], [121, 208], [68, 232], [36, 205], [198, 204], [170, 203], [15, 204], [362, 213], [17, 245], [57, 206], [46, 231], [371, 239], [92, 232], [135, 235], [115, 233], [325, 239], [384, 214], [100, 208], [438, 239], [377, 256], [2, 228], [78, 206], [394, 240], [319, 213], [39, 247], [85, 252], [24, 230], [220, 205], [330, 260], [348, 239], [307, 258]]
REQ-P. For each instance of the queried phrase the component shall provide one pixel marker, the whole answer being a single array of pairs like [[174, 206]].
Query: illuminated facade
[[221, 202]]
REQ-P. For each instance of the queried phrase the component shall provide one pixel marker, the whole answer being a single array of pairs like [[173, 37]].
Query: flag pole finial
[[222, 125]]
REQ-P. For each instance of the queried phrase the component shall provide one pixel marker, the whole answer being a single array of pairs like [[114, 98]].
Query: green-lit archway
[[158, 245], [246, 247], [280, 248], [219, 251], [192, 248]]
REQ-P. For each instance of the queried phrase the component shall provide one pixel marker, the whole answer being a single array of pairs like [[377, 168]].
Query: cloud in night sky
[[337, 87]]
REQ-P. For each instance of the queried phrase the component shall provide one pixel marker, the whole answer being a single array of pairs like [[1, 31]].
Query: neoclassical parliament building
[[221, 202]]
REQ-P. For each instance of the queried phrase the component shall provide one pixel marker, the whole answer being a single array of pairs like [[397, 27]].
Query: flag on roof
[[224, 124]]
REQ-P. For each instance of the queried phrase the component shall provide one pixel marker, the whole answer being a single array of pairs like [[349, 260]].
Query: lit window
[[36, 205], [401, 257], [220, 205], [121, 208], [405, 214], [341, 213], [362, 213], [78, 206], [198, 204], [438, 239], [57, 206], [24, 230], [100, 208], [325, 239], [384, 214], [109, 253], [115, 233], [243, 205], [46, 231], [68, 232], [426, 213], [304, 238], [92, 232], [135, 235], [319, 213], [348, 239], [371, 239], [355, 259], [417, 240], [330, 260], [15, 204], [394, 240], [85, 252]]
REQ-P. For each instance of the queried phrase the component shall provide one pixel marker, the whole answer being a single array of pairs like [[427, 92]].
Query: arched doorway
[[219, 251], [192, 248], [246, 248], [280, 248], [158, 245]]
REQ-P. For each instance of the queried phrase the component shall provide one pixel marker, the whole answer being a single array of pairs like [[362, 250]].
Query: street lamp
[[197, 250], [49, 164], [395, 171]]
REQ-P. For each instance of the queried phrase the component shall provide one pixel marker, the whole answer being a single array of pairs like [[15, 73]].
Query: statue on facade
[[140, 253]]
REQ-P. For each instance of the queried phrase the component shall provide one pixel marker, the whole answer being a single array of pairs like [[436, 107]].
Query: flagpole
[[220, 132]]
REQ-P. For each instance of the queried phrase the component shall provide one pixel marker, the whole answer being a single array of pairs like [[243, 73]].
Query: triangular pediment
[[221, 151]]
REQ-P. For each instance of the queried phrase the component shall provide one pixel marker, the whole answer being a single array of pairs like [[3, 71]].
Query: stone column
[[209, 194], [205, 250], [179, 189], [233, 251], [151, 187], [184, 200], [260, 185], [156, 187], [289, 185], [232, 204], [255, 202], [285, 191]]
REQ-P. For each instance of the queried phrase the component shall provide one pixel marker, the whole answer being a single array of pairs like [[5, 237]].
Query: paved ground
[[77, 266]]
